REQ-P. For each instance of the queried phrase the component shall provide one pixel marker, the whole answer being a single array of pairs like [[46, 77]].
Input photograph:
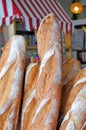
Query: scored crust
[[43, 109], [71, 67], [75, 117], [12, 65]]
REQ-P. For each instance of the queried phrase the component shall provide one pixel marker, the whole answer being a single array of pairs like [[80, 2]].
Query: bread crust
[[12, 65], [75, 117], [43, 109], [70, 69]]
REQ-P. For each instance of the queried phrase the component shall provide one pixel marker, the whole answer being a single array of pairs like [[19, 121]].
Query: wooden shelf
[[32, 47]]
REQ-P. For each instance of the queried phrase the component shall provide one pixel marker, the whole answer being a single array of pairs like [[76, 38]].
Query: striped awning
[[33, 11], [8, 12]]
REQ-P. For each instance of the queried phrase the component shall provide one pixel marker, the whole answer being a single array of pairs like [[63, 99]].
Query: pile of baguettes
[[30, 96]]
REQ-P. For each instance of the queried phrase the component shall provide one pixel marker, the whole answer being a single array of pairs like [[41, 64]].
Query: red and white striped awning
[[33, 11], [8, 12]]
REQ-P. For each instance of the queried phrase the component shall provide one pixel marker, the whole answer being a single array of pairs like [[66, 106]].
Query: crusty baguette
[[71, 67], [42, 96], [29, 93], [12, 65], [75, 118]]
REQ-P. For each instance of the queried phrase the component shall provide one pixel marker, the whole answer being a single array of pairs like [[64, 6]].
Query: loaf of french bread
[[75, 117], [12, 65], [71, 67], [43, 84]]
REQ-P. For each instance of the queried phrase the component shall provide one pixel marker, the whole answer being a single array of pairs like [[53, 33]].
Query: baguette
[[42, 96], [29, 93], [12, 65], [71, 67], [75, 117]]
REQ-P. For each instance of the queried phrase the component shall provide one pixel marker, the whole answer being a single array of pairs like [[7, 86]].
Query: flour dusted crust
[[29, 93], [42, 97], [75, 118], [12, 64], [71, 67], [48, 36]]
